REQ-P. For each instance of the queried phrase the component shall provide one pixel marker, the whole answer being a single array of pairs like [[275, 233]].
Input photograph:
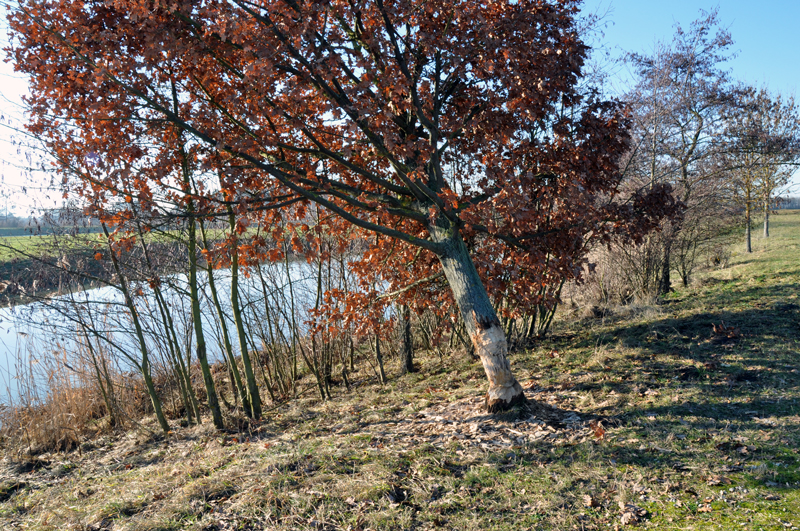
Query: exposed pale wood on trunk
[[479, 316]]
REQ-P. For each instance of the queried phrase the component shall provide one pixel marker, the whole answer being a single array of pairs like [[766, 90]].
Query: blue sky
[[765, 37], [765, 33]]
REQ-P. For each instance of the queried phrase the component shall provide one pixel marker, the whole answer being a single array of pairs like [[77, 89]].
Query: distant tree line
[[10, 220], [46, 222]]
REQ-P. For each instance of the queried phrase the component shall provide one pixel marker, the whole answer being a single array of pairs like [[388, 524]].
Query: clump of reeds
[[63, 396]]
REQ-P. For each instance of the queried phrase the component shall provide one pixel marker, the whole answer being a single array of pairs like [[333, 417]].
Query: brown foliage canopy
[[396, 116]]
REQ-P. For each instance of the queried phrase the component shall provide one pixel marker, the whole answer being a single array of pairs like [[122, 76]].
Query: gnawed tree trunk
[[480, 319]]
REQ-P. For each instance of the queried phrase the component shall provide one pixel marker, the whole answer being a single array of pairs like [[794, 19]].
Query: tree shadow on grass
[[763, 324], [726, 389]]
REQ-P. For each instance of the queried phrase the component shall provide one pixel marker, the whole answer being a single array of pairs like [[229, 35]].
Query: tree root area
[[467, 421]]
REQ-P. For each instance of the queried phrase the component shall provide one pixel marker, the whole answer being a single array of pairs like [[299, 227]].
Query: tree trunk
[[665, 283], [766, 217], [408, 345], [379, 358], [144, 365], [480, 319], [197, 320], [179, 369], [748, 247], [252, 387], [237, 388]]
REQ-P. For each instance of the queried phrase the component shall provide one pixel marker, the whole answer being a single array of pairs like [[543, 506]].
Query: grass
[[38, 230], [36, 240], [662, 424], [11, 245]]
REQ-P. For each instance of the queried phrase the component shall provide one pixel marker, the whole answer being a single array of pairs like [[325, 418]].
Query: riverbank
[[657, 416], [39, 266], [34, 269]]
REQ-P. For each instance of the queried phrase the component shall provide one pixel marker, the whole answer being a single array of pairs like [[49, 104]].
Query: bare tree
[[676, 105], [763, 137]]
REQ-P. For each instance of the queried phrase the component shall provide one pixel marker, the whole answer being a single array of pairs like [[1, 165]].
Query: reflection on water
[[51, 330]]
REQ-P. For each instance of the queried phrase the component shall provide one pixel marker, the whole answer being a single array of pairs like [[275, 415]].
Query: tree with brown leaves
[[449, 129]]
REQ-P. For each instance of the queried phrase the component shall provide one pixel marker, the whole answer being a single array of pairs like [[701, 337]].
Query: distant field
[[38, 231], [774, 255], [30, 241], [16, 247]]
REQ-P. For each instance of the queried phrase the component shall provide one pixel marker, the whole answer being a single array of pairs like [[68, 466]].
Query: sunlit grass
[[701, 432]]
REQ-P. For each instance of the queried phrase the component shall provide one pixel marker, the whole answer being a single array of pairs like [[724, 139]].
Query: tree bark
[[766, 217], [748, 246], [237, 388], [379, 358], [665, 283], [144, 365], [197, 320], [479, 316], [408, 345], [171, 337], [254, 398]]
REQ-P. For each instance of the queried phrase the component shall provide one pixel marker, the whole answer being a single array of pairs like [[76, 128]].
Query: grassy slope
[[701, 432]]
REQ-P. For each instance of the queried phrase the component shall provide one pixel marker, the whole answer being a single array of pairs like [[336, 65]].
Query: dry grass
[[57, 401], [696, 431]]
